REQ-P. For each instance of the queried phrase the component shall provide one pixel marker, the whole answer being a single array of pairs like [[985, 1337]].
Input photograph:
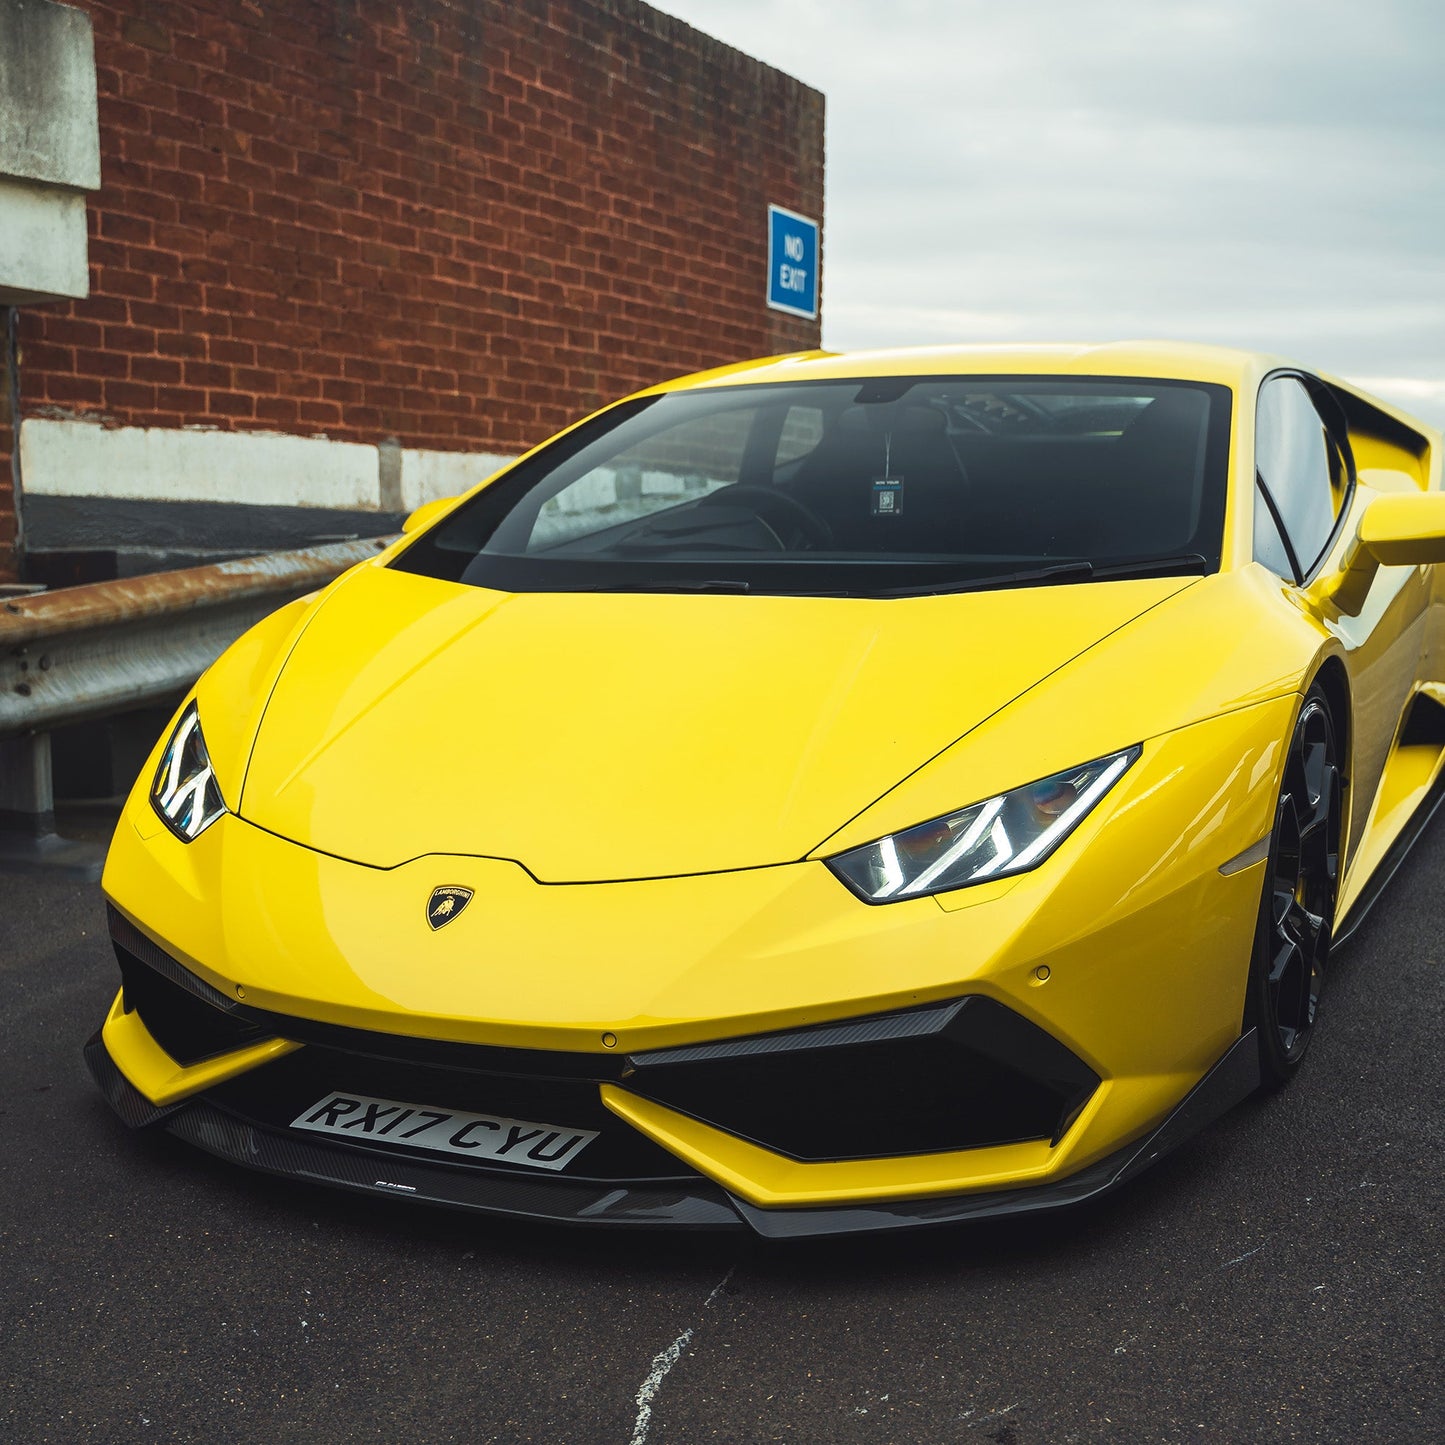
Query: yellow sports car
[[835, 792]]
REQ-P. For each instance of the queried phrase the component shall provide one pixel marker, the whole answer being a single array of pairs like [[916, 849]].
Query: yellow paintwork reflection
[[724, 732]]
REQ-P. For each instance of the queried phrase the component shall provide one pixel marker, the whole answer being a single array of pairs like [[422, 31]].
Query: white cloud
[[1263, 175], [1414, 394]]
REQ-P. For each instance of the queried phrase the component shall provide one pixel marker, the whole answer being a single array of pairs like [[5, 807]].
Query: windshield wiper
[[1153, 566], [1059, 572], [1056, 573], [712, 584]]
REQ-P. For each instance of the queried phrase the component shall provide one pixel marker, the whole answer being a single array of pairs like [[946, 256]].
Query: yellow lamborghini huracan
[[830, 793]]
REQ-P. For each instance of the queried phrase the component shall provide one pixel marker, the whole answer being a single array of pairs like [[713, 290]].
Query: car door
[[1306, 495]]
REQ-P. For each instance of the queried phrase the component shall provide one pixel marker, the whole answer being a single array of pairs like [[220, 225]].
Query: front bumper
[[687, 1203], [964, 1077]]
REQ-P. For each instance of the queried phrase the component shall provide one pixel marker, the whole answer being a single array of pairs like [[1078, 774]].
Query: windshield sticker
[[887, 496]]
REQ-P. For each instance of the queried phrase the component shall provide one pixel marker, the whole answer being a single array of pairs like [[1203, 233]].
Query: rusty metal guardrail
[[110, 647]]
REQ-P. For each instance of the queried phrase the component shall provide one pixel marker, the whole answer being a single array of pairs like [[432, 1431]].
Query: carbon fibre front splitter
[[278, 1151], [702, 1205]]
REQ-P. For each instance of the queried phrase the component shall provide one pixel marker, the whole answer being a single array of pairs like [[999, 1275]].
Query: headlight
[[185, 792], [1008, 834]]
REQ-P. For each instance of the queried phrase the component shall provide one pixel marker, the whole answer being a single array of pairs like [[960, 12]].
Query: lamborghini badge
[[444, 905]]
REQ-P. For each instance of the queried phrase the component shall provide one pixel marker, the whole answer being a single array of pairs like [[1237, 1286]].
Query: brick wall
[[456, 223]]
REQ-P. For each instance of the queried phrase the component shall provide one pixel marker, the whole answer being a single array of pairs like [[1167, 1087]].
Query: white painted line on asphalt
[[1249, 1254], [720, 1286], [663, 1363]]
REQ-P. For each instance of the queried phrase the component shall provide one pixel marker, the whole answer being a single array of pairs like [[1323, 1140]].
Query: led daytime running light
[[1007, 834], [185, 793]]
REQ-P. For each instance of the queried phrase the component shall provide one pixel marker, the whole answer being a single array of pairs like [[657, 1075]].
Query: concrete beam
[[49, 150], [76, 459], [65, 458], [43, 243], [48, 120]]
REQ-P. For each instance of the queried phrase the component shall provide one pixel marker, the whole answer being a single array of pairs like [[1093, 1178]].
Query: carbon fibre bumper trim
[[1232, 1079], [275, 1151], [133, 1107], [702, 1206], [901, 1024], [560, 1201], [129, 937]]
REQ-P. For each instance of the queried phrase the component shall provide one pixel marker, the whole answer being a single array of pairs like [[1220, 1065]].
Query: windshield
[[868, 487]]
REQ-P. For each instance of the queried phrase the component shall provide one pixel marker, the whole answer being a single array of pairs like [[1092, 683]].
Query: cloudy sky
[[1263, 173]]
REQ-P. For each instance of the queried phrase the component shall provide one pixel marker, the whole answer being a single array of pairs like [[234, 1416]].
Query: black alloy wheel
[[1297, 911]]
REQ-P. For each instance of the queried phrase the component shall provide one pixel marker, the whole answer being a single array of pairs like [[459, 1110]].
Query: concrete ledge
[[49, 130], [427, 476], [49, 150], [43, 240], [82, 459]]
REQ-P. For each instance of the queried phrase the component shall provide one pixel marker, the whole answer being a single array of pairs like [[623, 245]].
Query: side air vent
[[959, 1075]]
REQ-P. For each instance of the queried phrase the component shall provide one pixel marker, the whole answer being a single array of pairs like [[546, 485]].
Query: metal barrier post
[[27, 803], [28, 839]]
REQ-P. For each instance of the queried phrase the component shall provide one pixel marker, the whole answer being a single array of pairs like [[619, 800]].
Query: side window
[[1268, 546], [1298, 469], [801, 433]]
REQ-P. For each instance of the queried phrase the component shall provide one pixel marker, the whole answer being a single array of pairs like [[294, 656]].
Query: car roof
[[1239, 369], [1170, 359]]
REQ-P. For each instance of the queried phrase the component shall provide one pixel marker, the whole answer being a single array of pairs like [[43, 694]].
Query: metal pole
[[27, 792], [28, 840], [12, 376]]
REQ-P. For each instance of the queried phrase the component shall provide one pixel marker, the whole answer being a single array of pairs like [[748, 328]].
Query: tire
[[1297, 909]]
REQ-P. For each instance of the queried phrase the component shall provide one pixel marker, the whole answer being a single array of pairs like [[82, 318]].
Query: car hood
[[594, 737]]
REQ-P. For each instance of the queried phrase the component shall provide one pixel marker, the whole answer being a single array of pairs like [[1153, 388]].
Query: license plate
[[446, 1131]]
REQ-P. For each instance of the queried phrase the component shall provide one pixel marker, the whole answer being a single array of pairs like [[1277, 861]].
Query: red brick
[[129, 397], [279, 411], [187, 402], [319, 413], [156, 315], [117, 225], [129, 341], [400, 226], [75, 393], [207, 374], [155, 369], [230, 404], [45, 356]]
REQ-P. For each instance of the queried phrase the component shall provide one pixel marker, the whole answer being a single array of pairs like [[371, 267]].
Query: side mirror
[[1403, 529], [426, 514]]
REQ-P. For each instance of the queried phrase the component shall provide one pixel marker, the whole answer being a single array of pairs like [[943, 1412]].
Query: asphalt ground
[[1277, 1279]]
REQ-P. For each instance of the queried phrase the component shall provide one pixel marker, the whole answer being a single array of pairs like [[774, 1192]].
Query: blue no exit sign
[[792, 263]]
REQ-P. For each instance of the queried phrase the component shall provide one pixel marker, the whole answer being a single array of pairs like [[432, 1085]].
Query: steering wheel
[[761, 499]]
